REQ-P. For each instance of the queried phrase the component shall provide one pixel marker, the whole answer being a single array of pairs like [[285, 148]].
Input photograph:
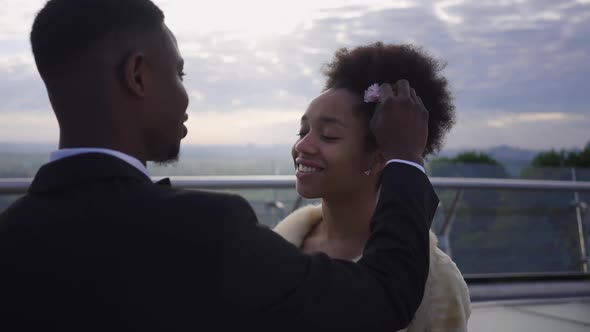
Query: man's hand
[[400, 123]]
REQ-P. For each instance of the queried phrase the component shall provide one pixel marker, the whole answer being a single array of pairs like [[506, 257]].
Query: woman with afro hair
[[338, 160]]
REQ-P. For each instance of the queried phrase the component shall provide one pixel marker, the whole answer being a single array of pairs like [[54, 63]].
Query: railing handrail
[[527, 276], [17, 186], [9, 186]]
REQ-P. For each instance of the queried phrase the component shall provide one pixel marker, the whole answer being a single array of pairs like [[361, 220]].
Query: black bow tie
[[164, 182]]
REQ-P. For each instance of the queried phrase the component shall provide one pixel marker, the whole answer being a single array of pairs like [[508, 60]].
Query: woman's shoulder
[[443, 269], [441, 262], [446, 296], [295, 227]]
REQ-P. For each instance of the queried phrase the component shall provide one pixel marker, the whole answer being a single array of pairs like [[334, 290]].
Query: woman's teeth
[[307, 169]]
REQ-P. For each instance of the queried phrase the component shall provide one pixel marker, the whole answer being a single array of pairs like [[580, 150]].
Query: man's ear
[[134, 74]]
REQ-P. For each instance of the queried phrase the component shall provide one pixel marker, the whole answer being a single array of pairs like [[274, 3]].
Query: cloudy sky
[[519, 69]]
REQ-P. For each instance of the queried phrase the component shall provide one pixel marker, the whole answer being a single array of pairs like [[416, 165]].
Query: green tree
[[474, 157], [556, 165], [468, 164], [580, 159], [563, 158], [550, 159]]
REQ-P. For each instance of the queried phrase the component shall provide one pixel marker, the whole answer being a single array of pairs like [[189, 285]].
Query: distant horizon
[[51, 145]]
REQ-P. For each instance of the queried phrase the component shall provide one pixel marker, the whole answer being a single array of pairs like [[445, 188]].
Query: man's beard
[[164, 155], [171, 158]]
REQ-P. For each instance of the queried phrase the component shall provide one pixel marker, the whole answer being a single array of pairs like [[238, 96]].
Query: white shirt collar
[[64, 153], [420, 167]]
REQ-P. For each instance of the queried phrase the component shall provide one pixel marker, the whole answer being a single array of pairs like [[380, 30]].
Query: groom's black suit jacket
[[96, 246]]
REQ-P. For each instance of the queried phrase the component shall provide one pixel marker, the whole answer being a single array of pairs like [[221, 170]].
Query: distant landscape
[[23, 160], [493, 231]]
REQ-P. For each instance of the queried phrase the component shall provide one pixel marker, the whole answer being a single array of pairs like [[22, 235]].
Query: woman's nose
[[306, 145]]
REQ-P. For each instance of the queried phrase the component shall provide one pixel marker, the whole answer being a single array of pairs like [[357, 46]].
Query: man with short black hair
[[94, 245]]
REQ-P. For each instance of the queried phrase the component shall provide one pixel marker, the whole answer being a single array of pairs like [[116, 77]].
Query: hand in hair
[[400, 123]]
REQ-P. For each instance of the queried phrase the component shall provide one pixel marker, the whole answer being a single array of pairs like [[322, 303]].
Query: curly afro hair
[[356, 69]]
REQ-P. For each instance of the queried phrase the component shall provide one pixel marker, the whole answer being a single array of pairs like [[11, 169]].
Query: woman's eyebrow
[[332, 120]]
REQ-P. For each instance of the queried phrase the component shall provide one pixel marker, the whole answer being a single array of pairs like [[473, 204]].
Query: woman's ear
[[134, 72], [379, 161]]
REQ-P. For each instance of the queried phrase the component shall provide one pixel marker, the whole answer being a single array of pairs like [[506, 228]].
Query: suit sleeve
[[275, 286]]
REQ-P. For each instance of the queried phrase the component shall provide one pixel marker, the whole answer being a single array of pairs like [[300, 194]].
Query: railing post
[[450, 216], [581, 236], [586, 227]]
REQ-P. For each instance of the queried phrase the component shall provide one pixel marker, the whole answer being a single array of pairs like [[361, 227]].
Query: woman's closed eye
[[329, 138]]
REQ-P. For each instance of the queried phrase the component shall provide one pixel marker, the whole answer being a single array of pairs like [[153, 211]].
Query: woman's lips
[[306, 167]]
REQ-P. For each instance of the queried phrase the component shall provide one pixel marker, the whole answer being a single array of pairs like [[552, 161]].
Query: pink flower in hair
[[372, 94]]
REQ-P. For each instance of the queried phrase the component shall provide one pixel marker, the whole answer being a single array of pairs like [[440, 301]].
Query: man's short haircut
[[64, 29]]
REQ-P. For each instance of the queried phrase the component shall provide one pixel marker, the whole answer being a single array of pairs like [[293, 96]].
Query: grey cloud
[[495, 60], [524, 67], [324, 37]]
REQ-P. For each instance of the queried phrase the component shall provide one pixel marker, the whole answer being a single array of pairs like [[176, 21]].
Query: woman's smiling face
[[331, 154]]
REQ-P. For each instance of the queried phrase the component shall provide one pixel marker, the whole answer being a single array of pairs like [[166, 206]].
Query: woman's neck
[[347, 218], [344, 228]]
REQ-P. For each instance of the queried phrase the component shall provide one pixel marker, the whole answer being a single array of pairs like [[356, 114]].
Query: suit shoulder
[[199, 201], [10, 213], [212, 198], [194, 196]]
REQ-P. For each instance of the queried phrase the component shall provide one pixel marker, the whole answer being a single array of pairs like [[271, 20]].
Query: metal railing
[[12, 186], [483, 287], [18, 186]]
